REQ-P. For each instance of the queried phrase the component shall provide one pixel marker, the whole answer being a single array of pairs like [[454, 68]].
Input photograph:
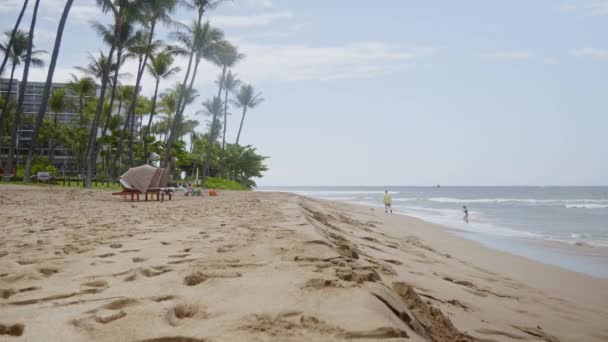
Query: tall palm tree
[[57, 104], [84, 88], [200, 6], [24, 79], [227, 56], [123, 39], [246, 100], [213, 108], [47, 91], [152, 12], [12, 36], [231, 82], [17, 54], [203, 41], [117, 8], [160, 68]]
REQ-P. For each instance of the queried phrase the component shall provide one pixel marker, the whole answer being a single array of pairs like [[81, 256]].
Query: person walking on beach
[[388, 200], [466, 213]]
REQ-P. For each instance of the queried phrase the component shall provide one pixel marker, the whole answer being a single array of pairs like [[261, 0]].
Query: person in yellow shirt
[[388, 200]]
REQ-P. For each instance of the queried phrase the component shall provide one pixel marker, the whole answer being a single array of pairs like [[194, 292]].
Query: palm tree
[[83, 87], [227, 56], [246, 100], [123, 39], [12, 37], [203, 41], [19, 111], [200, 6], [231, 82], [160, 68], [56, 104], [47, 91], [152, 12], [17, 53], [117, 8]]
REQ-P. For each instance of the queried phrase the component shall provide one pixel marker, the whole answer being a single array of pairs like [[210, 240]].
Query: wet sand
[[80, 265]]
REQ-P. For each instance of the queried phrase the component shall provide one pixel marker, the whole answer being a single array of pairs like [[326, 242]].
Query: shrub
[[223, 184]]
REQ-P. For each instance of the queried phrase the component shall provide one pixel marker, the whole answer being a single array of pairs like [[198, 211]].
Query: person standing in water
[[466, 213], [388, 200]]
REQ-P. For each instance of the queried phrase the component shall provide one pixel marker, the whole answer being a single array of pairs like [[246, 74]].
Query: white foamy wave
[[521, 200], [453, 219], [587, 206], [324, 194]]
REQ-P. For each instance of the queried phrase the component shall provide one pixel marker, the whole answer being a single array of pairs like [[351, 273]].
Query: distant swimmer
[[388, 200], [466, 213]]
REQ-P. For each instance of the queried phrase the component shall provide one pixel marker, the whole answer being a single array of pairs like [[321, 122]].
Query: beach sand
[[81, 265]]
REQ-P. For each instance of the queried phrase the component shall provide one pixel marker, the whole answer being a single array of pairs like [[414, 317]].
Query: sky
[[400, 92]]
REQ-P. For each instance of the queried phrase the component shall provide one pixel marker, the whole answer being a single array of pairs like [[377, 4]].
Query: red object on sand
[[212, 192]]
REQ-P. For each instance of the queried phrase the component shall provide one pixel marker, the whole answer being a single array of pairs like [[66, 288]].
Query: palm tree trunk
[[140, 73], [125, 127], [225, 126], [11, 40], [91, 148], [18, 112], [52, 141], [147, 132], [241, 126], [106, 124], [176, 119], [81, 109], [5, 106], [47, 92], [219, 92]]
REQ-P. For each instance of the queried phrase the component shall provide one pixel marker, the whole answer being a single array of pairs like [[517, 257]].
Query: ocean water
[[507, 218]]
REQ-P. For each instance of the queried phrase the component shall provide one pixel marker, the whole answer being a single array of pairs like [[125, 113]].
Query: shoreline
[[584, 258], [78, 265]]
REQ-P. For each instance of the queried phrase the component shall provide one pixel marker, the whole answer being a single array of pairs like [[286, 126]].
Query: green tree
[[11, 40], [84, 88], [160, 68], [152, 12], [231, 82], [47, 90], [246, 100], [191, 39], [57, 104], [24, 80], [16, 52]]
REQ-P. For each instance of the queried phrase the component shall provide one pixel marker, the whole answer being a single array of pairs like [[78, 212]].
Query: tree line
[[109, 133]]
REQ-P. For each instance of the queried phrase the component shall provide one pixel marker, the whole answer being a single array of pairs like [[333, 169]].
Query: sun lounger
[[128, 190]]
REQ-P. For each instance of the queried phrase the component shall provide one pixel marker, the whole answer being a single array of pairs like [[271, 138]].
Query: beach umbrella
[[146, 177]]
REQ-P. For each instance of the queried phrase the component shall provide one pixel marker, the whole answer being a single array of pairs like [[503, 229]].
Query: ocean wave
[[587, 206], [520, 200]]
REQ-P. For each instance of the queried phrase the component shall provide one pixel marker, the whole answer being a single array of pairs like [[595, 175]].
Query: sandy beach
[[81, 265]]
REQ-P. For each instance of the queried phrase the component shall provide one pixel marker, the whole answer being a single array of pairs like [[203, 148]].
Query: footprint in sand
[[138, 259], [107, 255], [195, 279], [48, 271], [107, 316], [95, 286], [12, 330], [115, 245], [180, 312]]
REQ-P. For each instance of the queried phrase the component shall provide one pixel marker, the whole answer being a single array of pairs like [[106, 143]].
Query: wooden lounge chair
[[128, 190]]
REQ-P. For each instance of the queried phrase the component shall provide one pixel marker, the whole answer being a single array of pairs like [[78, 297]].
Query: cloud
[[597, 54], [236, 21], [260, 3], [507, 56], [586, 7], [302, 62]]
